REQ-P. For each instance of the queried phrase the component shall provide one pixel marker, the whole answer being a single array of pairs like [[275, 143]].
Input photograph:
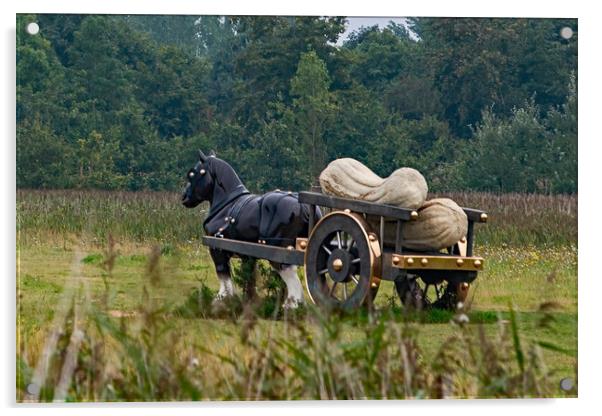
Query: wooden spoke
[[351, 245], [334, 285], [326, 249], [321, 272], [355, 279], [355, 261], [339, 243]]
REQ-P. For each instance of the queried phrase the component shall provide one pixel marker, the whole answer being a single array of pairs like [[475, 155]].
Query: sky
[[357, 22]]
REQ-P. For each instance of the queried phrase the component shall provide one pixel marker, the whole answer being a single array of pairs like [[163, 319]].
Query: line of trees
[[123, 102]]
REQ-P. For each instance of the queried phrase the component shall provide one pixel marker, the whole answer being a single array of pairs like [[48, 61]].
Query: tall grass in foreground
[[515, 219], [93, 355]]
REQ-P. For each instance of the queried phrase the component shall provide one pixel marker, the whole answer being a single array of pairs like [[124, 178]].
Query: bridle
[[198, 172]]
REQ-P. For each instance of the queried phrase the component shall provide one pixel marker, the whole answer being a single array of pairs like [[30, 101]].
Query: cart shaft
[[261, 251]]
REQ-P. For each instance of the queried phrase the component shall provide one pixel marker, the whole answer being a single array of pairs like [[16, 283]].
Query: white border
[[508, 8], [589, 157]]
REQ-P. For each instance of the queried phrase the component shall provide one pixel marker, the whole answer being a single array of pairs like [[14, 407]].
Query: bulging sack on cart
[[348, 178], [441, 223]]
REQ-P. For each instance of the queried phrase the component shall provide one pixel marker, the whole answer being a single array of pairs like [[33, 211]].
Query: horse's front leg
[[222, 268], [294, 290], [226, 287]]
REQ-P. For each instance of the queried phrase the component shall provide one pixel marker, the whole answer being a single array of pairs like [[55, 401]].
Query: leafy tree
[[123, 102], [413, 97], [562, 125], [482, 63], [220, 43], [273, 47], [96, 167], [511, 155], [358, 129], [172, 88], [380, 56], [314, 108], [275, 161], [59, 30], [43, 158], [180, 31], [40, 79], [427, 145]]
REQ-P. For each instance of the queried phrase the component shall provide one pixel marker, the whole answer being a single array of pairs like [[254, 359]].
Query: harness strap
[[237, 192], [234, 213]]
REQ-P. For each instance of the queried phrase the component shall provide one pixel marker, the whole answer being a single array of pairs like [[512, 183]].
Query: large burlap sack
[[348, 178], [441, 223]]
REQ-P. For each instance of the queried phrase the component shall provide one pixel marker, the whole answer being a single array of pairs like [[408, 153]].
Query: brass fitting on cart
[[301, 244], [437, 262]]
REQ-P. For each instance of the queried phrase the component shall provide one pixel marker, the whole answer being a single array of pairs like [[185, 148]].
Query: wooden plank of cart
[[346, 255]]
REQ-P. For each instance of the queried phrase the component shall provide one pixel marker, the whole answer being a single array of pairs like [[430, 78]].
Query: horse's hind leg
[[294, 290]]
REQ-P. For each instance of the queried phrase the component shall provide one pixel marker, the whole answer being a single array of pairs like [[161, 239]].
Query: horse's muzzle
[[185, 197]]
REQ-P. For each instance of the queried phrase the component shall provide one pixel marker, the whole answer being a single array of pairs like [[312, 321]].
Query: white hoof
[[291, 303], [220, 299]]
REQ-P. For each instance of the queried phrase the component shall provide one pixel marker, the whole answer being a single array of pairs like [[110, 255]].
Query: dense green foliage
[[123, 102]]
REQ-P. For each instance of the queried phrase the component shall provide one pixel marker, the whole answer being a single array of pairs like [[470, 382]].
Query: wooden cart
[[346, 256]]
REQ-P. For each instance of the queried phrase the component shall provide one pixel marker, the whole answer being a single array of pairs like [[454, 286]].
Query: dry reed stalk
[[62, 310], [70, 362]]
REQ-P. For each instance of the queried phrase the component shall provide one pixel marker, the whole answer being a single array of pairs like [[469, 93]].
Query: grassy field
[[130, 321]]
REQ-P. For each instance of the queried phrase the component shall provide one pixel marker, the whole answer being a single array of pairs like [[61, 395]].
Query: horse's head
[[200, 182]]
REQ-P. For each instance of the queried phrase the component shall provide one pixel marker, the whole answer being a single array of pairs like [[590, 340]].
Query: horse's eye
[[202, 171], [191, 175]]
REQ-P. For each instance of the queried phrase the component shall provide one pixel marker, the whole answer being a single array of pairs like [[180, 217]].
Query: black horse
[[276, 218]]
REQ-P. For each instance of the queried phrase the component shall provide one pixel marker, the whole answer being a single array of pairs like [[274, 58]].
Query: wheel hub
[[339, 263]]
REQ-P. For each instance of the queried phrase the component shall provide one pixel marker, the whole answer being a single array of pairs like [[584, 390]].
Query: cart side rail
[[372, 208], [365, 207], [475, 215]]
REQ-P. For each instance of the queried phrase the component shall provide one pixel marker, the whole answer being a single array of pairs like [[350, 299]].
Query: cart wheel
[[413, 293], [410, 293], [341, 262], [449, 296]]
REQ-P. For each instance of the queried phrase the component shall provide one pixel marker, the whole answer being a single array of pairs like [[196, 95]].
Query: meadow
[[114, 292]]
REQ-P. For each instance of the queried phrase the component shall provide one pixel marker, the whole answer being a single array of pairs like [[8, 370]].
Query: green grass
[[146, 339], [47, 268]]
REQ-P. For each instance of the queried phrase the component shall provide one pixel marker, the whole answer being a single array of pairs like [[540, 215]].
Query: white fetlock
[[219, 298], [291, 303], [293, 287], [226, 288]]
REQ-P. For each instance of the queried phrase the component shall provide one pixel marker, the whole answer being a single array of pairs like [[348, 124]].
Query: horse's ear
[[202, 156], [212, 153]]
